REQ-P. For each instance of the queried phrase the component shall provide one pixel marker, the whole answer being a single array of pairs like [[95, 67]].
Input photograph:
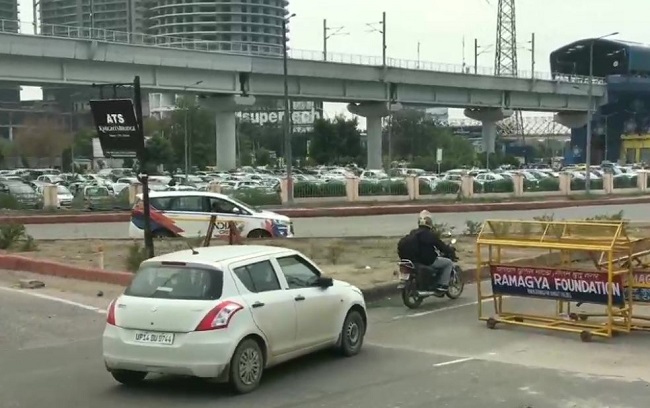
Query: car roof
[[155, 194], [222, 253]]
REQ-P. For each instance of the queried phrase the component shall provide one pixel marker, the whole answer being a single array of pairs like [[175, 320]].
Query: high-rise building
[[9, 23], [254, 25], [9, 15], [113, 15]]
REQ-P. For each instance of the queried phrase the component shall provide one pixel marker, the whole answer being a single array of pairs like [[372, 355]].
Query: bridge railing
[[254, 49]]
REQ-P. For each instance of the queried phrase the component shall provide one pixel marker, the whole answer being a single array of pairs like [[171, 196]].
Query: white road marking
[[458, 361], [55, 299], [443, 309]]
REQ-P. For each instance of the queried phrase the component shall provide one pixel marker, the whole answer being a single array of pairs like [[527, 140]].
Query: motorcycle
[[417, 282]]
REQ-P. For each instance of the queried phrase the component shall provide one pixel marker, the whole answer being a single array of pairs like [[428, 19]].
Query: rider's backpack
[[409, 247]]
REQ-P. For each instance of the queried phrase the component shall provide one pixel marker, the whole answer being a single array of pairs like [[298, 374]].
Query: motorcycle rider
[[428, 241]]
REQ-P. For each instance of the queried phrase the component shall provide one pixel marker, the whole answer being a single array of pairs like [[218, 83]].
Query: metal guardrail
[[253, 49]]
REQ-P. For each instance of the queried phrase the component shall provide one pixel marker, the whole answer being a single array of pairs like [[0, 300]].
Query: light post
[[287, 119], [186, 138], [589, 111], [329, 32]]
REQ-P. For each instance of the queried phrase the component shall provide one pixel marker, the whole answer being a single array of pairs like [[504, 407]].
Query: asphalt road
[[440, 356], [384, 225]]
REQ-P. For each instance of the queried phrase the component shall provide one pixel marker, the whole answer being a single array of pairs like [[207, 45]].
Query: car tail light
[[219, 317], [110, 314]]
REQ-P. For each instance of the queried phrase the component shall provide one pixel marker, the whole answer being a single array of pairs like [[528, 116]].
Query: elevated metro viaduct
[[625, 66]]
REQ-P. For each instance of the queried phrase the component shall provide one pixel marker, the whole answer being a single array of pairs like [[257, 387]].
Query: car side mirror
[[236, 210], [324, 282]]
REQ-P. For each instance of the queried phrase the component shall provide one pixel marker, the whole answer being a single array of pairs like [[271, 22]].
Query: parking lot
[[438, 356]]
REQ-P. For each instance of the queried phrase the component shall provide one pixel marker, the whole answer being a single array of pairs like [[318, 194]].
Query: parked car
[[228, 313], [25, 195], [187, 214]]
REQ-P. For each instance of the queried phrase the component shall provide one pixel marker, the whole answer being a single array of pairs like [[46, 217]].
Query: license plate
[[154, 338]]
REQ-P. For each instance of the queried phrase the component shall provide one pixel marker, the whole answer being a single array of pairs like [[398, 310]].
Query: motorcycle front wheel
[[456, 284], [410, 296]]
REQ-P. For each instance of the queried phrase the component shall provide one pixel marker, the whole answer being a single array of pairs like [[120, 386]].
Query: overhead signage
[[117, 128], [559, 284]]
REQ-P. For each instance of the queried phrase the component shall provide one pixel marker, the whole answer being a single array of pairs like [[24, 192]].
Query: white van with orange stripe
[[187, 214]]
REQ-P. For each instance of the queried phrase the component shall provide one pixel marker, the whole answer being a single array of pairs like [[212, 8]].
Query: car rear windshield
[[176, 282]]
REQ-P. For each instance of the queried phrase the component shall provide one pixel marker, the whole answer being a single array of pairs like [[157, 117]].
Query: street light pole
[[287, 111], [590, 113]]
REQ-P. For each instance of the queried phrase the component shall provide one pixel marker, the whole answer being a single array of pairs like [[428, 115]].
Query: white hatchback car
[[227, 313]]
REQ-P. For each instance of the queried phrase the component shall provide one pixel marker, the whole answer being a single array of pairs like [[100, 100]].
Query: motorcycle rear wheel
[[456, 284], [410, 296]]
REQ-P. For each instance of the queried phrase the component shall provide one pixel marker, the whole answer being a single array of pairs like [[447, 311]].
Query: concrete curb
[[348, 211], [51, 268]]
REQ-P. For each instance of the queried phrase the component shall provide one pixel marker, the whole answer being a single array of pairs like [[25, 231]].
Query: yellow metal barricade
[[574, 244], [639, 261]]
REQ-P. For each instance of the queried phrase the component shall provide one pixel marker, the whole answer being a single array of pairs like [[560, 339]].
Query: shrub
[[309, 190], [473, 227], [545, 218], [388, 187], [548, 184], [425, 187], [446, 187], [136, 255], [8, 202], [10, 234], [625, 182], [579, 184], [257, 197], [29, 244], [498, 186]]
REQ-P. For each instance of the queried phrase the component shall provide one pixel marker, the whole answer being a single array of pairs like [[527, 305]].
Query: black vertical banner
[[117, 128]]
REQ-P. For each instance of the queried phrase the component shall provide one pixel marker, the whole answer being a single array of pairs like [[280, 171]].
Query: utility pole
[[329, 32], [505, 57], [383, 39], [475, 56], [418, 66], [287, 111], [381, 30], [532, 55]]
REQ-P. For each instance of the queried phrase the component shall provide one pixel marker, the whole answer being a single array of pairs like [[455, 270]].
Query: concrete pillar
[[489, 136], [50, 197], [134, 190], [374, 143], [489, 118], [373, 112], [226, 129], [226, 141]]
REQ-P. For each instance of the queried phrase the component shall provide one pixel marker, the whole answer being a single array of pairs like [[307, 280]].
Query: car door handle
[[299, 298], [258, 304]]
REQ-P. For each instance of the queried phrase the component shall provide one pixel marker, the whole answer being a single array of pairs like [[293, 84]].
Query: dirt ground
[[363, 262]]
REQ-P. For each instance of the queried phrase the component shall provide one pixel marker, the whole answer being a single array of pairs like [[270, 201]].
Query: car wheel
[[258, 233], [127, 377], [162, 233], [354, 329], [246, 367]]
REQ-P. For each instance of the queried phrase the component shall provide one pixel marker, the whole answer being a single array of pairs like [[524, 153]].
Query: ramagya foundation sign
[[117, 128]]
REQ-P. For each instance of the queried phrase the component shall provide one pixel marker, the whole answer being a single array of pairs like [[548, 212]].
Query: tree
[[6, 150], [43, 138], [416, 138], [335, 140], [160, 151]]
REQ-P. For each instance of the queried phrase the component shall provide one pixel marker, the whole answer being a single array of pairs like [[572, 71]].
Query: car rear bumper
[[197, 354]]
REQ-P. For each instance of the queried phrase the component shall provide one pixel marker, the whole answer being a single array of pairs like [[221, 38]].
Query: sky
[[441, 25]]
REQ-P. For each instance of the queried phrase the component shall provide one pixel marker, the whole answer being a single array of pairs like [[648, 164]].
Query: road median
[[352, 211]]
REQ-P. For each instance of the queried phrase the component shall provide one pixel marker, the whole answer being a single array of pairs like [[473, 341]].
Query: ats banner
[[587, 287], [641, 287], [117, 127]]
